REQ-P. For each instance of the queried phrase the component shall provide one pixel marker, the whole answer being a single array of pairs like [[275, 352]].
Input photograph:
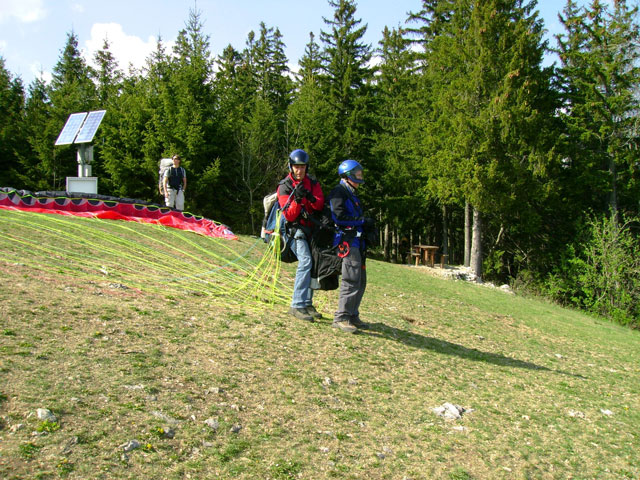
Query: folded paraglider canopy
[[110, 208]]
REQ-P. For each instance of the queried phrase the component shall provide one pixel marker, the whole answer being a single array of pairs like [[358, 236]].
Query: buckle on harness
[[343, 249]]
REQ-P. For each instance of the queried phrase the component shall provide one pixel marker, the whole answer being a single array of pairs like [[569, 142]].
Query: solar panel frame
[[90, 126], [71, 128]]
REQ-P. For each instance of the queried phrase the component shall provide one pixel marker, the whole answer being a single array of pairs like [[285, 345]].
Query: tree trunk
[[467, 234], [395, 245], [387, 242], [613, 199], [476, 245], [445, 231]]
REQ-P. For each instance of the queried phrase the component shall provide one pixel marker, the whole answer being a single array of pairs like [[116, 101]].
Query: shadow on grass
[[447, 348]]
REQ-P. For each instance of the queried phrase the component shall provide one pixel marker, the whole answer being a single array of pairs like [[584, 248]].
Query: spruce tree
[[599, 79], [310, 116], [346, 84], [37, 126], [491, 103], [399, 197], [13, 145]]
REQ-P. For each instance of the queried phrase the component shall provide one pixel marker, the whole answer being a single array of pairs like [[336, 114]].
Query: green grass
[[116, 364]]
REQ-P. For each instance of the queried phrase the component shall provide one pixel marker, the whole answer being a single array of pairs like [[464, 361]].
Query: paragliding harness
[[175, 177], [327, 261], [274, 223]]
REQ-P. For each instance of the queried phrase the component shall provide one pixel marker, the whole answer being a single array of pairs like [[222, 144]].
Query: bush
[[601, 274]]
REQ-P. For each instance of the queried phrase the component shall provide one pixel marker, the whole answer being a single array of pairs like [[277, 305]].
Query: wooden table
[[425, 253]]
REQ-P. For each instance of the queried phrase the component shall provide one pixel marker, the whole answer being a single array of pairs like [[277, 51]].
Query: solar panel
[[70, 130], [90, 126]]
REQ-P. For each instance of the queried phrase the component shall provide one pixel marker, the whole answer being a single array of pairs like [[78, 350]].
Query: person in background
[[175, 184], [300, 196], [351, 225]]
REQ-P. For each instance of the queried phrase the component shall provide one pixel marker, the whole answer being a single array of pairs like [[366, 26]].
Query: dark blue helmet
[[299, 157], [349, 169]]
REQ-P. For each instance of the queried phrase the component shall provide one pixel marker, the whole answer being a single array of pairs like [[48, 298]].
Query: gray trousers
[[352, 286]]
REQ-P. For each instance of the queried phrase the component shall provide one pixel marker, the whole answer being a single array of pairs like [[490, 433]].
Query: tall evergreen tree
[[310, 115], [347, 86], [491, 101], [107, 75], [599, 78], [37, 126], [13, 145], [399, 196]]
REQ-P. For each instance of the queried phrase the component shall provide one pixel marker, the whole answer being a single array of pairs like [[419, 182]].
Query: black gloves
[[300, 193], [310, 197]]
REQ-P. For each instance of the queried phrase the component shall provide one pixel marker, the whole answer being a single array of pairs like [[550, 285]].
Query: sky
[[33, 33]]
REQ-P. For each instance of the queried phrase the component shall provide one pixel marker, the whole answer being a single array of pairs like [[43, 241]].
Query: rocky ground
[[459, 272]]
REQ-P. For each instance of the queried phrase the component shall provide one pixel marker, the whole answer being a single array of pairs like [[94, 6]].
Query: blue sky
[[33, 32]]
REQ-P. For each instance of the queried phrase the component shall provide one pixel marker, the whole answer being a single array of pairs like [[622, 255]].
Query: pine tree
[[399, 197], [310, 117], [599, 78], [37, 125], [13, 145], [107, 75], [346, 83], [491, 101]]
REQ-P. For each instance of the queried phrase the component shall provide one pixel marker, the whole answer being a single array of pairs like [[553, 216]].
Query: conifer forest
[[529, 174]]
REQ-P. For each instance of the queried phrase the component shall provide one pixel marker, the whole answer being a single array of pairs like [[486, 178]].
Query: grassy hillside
[[133, 332]]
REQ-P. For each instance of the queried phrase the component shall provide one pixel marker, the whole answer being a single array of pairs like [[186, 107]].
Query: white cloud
[[26, 11], [127, 49]]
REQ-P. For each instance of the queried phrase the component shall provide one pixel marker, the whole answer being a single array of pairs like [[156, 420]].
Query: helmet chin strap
[[351, 183]]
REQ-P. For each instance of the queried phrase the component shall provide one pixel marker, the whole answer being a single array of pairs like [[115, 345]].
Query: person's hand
[[299, 193], [309, 196]]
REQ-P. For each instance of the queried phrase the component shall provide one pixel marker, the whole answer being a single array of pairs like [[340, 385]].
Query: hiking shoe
[[311, 310], [301, 314], [345, 326], [356, 322]]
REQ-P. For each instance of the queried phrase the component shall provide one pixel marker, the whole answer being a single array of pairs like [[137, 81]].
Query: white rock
[[450, 411], [606, 412], [46, 415], [212, 423], [130, 445]]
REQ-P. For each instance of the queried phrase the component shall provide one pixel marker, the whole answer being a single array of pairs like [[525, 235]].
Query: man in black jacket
[[347, 214]]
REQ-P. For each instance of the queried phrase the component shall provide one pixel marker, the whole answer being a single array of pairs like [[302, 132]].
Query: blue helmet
[[299, 157], [349, 169]]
